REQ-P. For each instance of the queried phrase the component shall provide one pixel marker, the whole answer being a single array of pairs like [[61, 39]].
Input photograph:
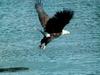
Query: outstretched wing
[[58, 21], [43, 16]]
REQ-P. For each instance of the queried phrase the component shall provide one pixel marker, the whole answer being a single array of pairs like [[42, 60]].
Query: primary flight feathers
[[58, 21]]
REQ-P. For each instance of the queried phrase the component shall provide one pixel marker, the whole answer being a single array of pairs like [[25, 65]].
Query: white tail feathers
[[65, 32]]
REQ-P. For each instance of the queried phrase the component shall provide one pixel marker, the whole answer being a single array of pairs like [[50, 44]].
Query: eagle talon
[[42, 46]]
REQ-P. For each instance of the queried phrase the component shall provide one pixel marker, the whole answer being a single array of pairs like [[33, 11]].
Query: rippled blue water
[[74, 54]]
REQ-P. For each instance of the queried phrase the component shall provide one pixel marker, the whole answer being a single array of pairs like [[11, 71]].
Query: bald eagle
[[53, 26]]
